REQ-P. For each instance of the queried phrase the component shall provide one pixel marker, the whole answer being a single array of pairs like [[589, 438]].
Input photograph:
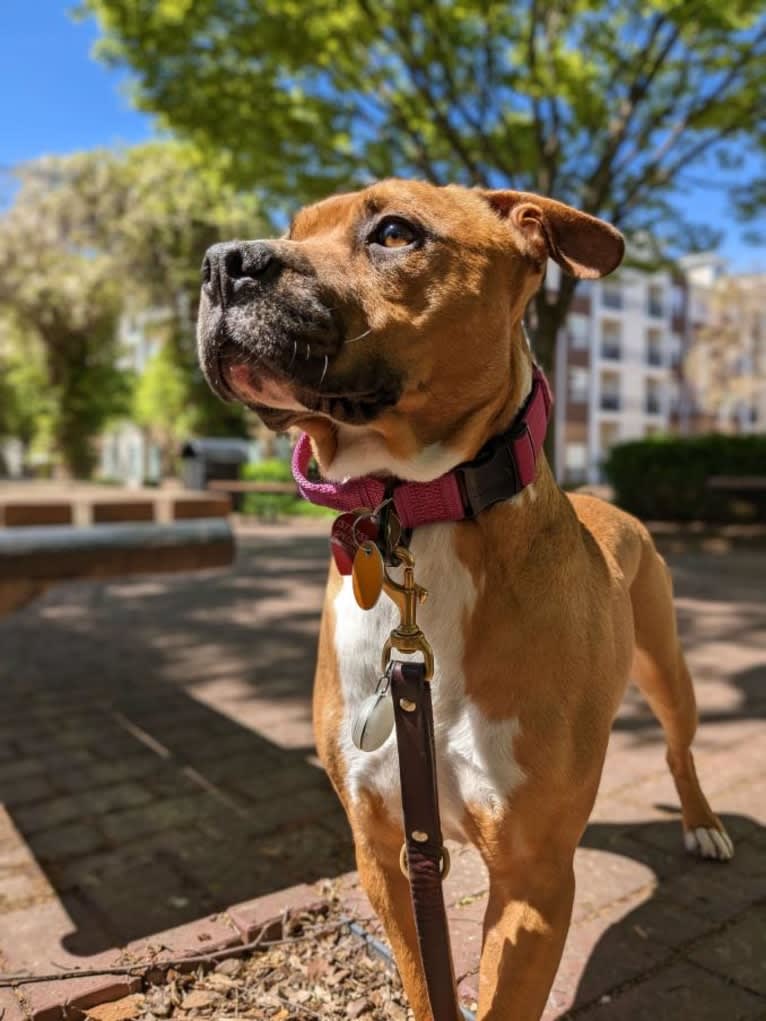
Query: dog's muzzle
[[269, 336]]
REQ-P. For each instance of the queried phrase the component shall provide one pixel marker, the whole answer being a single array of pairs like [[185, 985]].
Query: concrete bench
[[32, 558]]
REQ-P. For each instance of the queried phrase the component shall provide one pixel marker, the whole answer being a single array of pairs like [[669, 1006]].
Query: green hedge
[[663, 478], [275, 505]]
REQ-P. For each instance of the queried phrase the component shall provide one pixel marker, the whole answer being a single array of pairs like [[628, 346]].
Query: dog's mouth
[[307, 385]]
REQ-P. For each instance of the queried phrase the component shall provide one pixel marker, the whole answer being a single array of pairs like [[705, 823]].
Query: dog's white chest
[[475, 756]]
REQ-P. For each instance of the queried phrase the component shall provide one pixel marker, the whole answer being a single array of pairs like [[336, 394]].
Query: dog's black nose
[[226, 264]]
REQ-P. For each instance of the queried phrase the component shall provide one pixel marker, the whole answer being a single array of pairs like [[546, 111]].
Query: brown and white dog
[[388, 325]]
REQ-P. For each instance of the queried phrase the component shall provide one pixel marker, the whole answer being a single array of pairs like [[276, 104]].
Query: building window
[[655, 301], [611, 340], [610, 392], [653, 405], [578, 327], [611, 294], [578, 385], [654, 346]]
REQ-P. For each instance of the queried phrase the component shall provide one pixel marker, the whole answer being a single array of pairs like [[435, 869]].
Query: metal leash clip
[[407, 637]]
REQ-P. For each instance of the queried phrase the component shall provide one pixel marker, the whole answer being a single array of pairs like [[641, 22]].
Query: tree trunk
[[75, 447]]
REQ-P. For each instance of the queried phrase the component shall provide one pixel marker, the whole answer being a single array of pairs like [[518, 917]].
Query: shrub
[[275, 505], [665, 477]]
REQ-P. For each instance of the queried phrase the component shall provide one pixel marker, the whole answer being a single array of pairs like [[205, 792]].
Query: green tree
[[606, 105], [160, 404], [100, 234], [68, 302], [27, 410], [155, 209]]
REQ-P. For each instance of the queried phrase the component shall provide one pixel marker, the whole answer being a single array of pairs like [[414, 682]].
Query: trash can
[[212, 458]]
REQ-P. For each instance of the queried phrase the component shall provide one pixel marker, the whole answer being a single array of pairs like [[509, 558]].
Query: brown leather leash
[[424, 858]]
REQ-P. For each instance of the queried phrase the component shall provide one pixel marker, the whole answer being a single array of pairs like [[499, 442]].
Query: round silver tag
[[374, 722]]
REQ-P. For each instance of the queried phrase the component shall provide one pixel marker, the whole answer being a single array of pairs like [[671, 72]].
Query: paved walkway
[[156, 766]]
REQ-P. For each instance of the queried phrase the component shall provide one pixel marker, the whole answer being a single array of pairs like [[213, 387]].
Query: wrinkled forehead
[[447, 212]]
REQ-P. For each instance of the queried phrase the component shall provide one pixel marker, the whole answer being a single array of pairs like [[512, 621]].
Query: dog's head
[[386, 324]]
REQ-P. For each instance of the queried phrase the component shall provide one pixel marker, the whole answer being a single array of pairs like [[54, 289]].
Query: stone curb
[[230, 930], [68, 999]]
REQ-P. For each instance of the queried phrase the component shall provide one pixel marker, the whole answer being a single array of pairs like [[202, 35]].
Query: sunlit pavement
[[156, 768]]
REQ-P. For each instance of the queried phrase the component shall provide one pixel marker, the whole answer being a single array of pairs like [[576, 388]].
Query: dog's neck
[[539, 509], [378, 449]]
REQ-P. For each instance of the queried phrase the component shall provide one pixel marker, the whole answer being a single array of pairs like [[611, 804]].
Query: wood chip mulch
[[321, 970]]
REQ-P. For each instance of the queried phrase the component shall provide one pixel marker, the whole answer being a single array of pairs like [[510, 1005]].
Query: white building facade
[[615, 366]]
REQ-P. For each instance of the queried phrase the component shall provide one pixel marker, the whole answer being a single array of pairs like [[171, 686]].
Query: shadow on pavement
[[697, 936], [155, 751]]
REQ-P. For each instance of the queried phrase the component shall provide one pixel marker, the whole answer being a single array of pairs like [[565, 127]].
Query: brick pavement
[[156, 766]]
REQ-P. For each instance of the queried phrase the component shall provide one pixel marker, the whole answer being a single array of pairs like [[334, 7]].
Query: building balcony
[[610, 402]]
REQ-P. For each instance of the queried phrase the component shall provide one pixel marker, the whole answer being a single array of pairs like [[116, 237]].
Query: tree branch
[[418, 76], [455, 97], [601, 181]]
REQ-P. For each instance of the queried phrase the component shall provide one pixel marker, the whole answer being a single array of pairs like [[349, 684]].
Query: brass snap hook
[[407, 637]]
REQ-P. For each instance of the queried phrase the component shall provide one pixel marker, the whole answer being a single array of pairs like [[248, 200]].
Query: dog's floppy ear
[[581, 244]]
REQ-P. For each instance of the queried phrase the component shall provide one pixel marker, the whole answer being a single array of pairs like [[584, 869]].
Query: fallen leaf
[[222, 982], [198, 998], [231, 966], [358, 1007], [118, 1010]]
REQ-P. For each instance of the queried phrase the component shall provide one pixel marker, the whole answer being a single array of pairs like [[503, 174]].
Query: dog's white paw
[[708, 842]]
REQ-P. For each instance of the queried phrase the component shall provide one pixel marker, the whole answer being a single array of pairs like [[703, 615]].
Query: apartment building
[[723, 382], [616, 367]]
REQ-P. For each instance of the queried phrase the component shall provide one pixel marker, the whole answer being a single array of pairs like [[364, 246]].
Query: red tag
[[347, 529]]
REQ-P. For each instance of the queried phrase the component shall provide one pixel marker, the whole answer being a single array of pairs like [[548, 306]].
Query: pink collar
[[502, 468]]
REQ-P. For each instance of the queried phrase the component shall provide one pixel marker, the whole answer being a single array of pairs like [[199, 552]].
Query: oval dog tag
[[374, 722], [367, 575]]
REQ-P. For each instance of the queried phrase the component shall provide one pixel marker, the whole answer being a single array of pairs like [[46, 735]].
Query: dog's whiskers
[[324, 370], [308, 352], [360, 337], [295, 352]]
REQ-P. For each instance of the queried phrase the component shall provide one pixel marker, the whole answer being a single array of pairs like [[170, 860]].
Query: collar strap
[[502, 468]]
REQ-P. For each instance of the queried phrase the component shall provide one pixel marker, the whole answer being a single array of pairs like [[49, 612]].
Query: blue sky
[[63, 100], [59, 99]]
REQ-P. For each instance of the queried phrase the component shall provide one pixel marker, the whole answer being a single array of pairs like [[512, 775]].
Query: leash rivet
[[409, 707], [419, 836]]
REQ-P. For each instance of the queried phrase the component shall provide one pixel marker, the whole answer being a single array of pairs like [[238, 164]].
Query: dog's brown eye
[[394, 234]]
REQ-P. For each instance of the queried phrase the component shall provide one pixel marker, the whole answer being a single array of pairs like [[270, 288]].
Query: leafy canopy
[[614, 106], [63, 302], [95, 236], [603, 104]]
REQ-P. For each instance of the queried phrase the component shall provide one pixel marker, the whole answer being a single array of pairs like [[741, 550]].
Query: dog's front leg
[[525, 927]]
